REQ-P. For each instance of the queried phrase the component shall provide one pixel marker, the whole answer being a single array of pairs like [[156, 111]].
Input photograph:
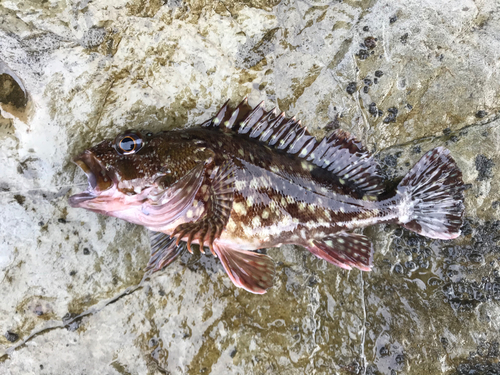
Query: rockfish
[[249, 179]]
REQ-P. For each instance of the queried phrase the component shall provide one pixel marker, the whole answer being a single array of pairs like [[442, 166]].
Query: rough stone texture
[[421, 74]]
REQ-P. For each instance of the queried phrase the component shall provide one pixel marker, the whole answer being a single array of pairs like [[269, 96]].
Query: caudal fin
[[432, 196]]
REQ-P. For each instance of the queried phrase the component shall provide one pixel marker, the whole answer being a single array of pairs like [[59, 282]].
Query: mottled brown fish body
[[249, 179]]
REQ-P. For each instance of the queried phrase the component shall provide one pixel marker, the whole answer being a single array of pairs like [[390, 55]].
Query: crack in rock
[[69, 323], [422, 139]]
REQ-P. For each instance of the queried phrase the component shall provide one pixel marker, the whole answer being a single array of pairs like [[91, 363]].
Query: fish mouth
[[98, 177]]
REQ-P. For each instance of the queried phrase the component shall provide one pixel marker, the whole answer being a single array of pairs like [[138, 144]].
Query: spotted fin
[[432, 196], [164, 250], [219, 202], [251, 271], [340, 153], [345, 250], [169, 204], [345, 156]]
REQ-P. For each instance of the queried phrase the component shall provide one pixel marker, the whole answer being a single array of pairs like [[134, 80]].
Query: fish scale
[[249, 179]]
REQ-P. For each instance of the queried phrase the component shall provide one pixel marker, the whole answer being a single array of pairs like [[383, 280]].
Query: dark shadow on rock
[[13, 98], [12, 91]]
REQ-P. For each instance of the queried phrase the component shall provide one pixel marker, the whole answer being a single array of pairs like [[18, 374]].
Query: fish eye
[[128, 143]]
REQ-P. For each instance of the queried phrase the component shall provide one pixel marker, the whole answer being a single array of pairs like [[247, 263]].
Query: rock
[[484, 166], [73, 292]]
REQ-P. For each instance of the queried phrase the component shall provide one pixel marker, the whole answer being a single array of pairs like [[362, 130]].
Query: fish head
[[134, 168]]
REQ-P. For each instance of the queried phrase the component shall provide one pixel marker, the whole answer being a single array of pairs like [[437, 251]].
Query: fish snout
[[100, 179]]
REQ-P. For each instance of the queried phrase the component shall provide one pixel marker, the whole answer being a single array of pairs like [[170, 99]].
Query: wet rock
[[384, 352], [363, 54], [372, 109], [11, 336], [370, 42], [485, 167], [481, 114], [20, 199], [393, 113], [388, 165], [478, 368], [444, 341], [93, 37], [253, 52], [483, 361], [351, 88]]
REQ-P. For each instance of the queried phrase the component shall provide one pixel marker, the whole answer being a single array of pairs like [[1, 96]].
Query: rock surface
[[403, 76]]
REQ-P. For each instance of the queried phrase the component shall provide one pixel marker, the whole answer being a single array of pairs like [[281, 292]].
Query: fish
[[250, 179]]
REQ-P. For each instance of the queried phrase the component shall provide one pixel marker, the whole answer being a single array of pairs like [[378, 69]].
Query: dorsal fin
[[340, 152]]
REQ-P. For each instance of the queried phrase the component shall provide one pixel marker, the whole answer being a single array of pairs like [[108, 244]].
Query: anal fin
[[345, 250], [164, 250], [251, 271]]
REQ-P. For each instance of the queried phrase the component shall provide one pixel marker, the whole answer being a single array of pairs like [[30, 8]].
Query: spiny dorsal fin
[[339, 153]]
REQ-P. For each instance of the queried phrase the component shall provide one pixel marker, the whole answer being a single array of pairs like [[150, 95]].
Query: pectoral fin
[[164, 250], [169, 204], [220, 195], [251, 271], [345, 250]]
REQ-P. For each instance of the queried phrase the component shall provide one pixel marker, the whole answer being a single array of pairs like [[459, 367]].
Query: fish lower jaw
[[77, 200], [108, 201]]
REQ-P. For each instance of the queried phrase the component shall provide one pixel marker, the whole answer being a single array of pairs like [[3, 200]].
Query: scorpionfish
[[249, 179]]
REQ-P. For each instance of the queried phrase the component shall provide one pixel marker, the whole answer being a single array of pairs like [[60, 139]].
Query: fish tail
[[432, 196]]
